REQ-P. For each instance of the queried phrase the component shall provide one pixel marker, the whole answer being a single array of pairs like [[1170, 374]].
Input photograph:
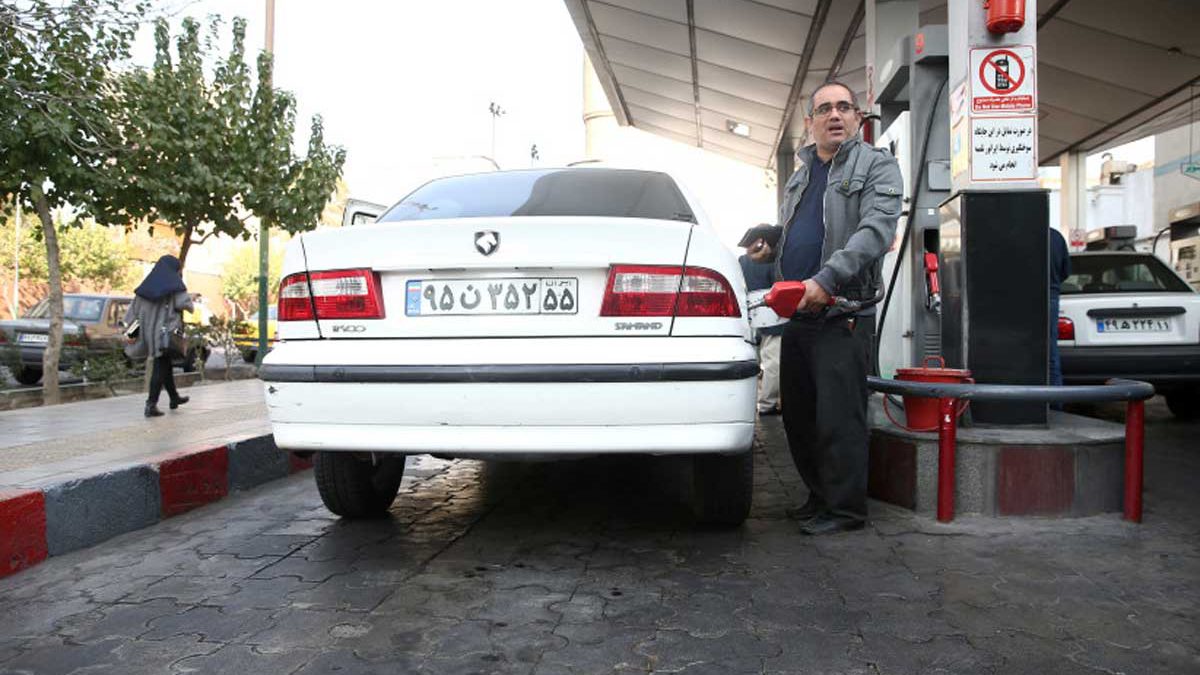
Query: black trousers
[[162, 376], [823, 390]]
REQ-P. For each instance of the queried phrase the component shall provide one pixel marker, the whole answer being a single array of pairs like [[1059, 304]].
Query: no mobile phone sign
[[1002, 80]]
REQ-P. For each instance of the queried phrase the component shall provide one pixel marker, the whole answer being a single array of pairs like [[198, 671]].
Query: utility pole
[[264, 233], [496, 112], [16, 299]]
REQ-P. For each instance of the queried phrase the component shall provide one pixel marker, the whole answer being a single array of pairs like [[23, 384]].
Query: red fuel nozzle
[[931, 272], [784, 297]]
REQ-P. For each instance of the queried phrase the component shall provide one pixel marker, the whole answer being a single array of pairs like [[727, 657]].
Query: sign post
[[993, 237]]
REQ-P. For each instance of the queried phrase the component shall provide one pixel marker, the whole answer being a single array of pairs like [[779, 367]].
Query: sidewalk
[[54, 443], [76, 474]]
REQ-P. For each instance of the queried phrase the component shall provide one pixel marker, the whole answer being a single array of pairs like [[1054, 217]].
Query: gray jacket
[[156, 318], [862, 204]]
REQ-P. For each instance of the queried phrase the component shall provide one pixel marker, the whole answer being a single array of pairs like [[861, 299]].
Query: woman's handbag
[[175, 344]]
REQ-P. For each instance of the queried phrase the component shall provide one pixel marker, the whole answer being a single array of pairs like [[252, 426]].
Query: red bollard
[[947, 431], [1135, 437]]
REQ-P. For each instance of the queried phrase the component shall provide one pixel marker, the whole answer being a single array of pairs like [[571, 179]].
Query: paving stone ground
[[595, 567]]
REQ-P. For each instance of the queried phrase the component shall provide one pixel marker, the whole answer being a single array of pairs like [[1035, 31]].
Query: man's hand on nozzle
[[815, 298], [760, 251]]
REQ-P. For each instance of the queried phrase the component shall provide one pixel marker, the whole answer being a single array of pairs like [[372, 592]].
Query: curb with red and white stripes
[[55, 519]]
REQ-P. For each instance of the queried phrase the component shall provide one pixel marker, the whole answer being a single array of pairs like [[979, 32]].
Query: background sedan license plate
[[523, 295], [33, 338], [1133, 325]]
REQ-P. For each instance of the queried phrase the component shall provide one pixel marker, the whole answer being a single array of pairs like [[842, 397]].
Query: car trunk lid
[[495, 277], [1147, 319]]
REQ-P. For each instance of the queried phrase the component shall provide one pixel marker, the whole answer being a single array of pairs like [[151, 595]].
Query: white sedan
[[1126, 314], [519, 314]]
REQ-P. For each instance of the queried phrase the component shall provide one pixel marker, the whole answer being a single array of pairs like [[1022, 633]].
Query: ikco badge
[[1002, 80]]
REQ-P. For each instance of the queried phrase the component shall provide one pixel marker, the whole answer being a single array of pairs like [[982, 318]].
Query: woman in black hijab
[[158, 308]]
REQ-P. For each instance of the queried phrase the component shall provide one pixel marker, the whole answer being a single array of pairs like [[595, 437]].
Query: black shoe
[[831, 524], [153, 411], [178, 401], [811, 509], [770, 411]]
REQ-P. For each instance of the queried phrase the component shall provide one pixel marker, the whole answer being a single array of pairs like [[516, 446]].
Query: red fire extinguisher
[[1005, 16]]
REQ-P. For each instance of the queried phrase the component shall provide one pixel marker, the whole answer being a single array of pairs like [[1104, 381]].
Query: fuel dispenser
[[914, 102], [967, 277], [1112, 238], [1185, 243]]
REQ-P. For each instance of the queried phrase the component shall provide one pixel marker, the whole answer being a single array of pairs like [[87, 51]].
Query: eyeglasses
[[843, 107]]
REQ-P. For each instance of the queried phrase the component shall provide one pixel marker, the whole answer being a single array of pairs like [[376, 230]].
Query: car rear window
[[1120, 274], [74, 309], [609, 193]]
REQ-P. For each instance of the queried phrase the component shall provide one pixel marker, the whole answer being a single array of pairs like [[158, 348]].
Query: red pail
[[921, 412]]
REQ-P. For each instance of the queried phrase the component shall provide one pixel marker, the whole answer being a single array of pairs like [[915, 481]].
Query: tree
[[284, 190], [239, 276], [208, 154], [88, 254], [184, 133], [57, 107]]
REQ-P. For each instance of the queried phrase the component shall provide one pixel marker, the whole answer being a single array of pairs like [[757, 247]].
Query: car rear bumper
[[517, 441], [32, 356], [1158, 365], [555, 406]]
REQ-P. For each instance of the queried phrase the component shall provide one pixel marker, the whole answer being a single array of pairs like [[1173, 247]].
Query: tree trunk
[[185, 245], [50, 357]]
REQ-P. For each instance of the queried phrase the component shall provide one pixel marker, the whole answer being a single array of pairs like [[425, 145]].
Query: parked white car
[[553, 312], [1127, 314]]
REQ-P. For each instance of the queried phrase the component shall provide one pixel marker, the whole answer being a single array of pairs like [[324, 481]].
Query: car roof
[[555, 169]]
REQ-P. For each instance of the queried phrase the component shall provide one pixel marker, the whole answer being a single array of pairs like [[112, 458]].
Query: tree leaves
[[208, 152]]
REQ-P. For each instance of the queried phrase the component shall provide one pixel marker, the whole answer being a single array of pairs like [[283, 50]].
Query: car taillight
[[338, 294], [1066, 328], [653, 290], [75, 340]]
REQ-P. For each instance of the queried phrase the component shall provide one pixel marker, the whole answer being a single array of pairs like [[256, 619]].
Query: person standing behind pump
[[158, 306], [760, 276], [1060, 269], [839, 216]]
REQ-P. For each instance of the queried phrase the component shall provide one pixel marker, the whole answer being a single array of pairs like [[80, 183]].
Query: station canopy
[[733, 76]]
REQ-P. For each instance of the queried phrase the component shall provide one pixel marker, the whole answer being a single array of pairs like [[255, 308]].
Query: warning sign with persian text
[[1002, 80], [1004, 148]]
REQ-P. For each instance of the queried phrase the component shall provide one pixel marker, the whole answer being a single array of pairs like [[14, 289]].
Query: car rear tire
[[353, 487], [1184, 404], [250, 355], [28, 375], [723, 487]]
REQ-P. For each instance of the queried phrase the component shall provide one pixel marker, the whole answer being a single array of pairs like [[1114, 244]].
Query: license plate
[[33, 338], [520, 295], [1133, 325]]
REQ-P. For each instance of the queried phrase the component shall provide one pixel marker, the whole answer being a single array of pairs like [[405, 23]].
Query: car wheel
[[357, 488], [1184, 403], [28, 374], [250, 355], [723, 486]]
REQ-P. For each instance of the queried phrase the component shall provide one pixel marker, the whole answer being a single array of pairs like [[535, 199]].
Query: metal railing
[[1133, 392]]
